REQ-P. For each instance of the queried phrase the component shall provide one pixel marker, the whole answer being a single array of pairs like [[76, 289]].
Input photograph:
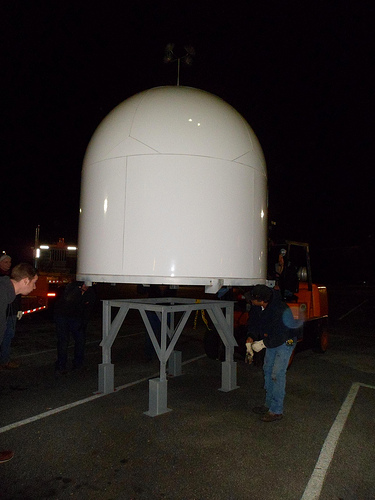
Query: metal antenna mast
[[170, 57]]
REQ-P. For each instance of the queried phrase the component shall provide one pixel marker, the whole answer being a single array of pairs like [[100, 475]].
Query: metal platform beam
[[221, 314]]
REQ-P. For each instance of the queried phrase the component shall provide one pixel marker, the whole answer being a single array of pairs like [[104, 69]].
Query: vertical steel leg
[[157, 399], [163, 346], [106, 369], [228, 367], [175, 364], [228, 376], [106, 378]]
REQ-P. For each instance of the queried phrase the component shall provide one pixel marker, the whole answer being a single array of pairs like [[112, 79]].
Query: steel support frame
[[221, 314]]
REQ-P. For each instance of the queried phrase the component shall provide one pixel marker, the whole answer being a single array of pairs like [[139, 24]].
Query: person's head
[[261, 295], [24, 277], [5, 263]]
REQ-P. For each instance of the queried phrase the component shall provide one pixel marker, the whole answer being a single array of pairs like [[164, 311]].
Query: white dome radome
[[174, 191]]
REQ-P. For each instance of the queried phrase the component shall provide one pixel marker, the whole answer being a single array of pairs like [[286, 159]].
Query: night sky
[[299, 73]]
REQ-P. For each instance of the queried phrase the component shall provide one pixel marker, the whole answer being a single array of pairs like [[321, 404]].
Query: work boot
[[11, 365], [260, 410], [5, 456], [271, 417]]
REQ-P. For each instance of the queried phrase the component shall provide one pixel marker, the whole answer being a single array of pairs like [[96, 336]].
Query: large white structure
[[174, 191]]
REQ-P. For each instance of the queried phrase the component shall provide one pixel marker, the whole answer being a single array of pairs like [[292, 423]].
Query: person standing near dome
[[272, 326], [12, 310], [22, 281]]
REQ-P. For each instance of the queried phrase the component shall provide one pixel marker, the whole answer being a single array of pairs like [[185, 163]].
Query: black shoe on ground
[[271, 417], [5, 456], [60, 371], [260, 410]]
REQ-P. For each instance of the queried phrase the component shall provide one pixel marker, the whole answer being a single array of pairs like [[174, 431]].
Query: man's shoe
[[271, 417], [5, 456], [11, 365], [260, 410], [60, 371]]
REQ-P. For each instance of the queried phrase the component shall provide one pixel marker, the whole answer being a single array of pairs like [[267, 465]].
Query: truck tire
[[322, 340], [213, 346]]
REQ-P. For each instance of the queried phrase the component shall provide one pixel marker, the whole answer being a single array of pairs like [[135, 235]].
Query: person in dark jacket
[[12, 314], [21, 282], [72, 312], [271, 326]]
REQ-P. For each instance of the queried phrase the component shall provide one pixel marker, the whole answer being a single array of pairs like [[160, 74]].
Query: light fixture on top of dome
[[187, 58]]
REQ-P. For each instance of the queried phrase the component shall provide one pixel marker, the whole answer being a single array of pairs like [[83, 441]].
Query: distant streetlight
[[170, 57]]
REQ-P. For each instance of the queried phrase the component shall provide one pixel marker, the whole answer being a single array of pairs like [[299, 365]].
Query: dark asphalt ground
[[71, 442]]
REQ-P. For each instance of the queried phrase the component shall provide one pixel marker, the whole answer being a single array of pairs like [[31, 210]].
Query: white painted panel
[[188, 216], [101, 223]]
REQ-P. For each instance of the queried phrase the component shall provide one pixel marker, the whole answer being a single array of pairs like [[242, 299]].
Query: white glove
[[249, 349], [249, 353], [258, 345], [19, 314]]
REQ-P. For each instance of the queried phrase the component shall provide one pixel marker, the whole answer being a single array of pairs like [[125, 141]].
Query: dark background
[[299, 72]]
